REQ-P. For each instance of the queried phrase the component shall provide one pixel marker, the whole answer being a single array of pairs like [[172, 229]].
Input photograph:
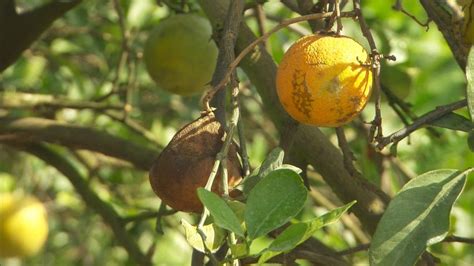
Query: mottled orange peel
[[324, 80]]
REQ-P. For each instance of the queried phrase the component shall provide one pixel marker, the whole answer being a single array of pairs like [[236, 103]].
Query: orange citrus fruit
[[324, 80]]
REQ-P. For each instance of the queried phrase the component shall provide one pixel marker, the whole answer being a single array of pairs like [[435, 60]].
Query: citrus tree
[[236, 132]]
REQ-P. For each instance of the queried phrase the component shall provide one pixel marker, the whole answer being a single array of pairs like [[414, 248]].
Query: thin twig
[[135, 127], [260, 17], [146, 215], [233, 123], [376, 129], [358, 248], [402, 109], [399, 7], [363, 247], [243, 146], [338, 17], [256, 42], [298, 29], [459, 239], [431, 116]]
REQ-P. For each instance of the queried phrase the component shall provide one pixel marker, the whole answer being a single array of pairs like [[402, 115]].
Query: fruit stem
[[203, 237], [221, 160], [232, 241], [338, 17]]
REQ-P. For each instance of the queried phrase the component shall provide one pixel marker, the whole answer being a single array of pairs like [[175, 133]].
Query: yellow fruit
[[23, 226], [323, 80], [180, 55], [186, 163]]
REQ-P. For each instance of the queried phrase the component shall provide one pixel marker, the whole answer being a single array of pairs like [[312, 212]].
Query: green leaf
[[239, 250], [220, 211], [417, 216], [470, 82], [249, 182], [214, 236], [454, 121], [291, 167], [268, 254], [276, 199], [297, 233], [238, 208], [273, 161]]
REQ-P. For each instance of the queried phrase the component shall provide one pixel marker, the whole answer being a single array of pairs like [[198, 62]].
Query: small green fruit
[[180, 55]]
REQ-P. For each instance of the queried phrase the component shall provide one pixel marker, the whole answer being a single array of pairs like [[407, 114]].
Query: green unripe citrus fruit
[[23, 226], [180, 55]]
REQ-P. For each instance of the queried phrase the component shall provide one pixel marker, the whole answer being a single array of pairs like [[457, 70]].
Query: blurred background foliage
[[78, 58]]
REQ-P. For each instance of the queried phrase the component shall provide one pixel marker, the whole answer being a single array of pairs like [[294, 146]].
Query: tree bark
[[33, 129], [19, 31]]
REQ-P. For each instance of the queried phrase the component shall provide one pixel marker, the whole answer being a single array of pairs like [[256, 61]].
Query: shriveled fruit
[[185, 164], [23, 226], [323, 80], [180, 55]]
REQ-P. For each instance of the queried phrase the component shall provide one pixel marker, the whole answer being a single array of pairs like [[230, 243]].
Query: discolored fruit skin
[[322, 80], [23, 226], [180, 55], [186, 163]]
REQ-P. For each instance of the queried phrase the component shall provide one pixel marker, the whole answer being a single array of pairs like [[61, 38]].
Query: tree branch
[[19, 31], [226, 54], [459, 239], [24, 130], [20, 100], [449, 26], [431, 116]]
